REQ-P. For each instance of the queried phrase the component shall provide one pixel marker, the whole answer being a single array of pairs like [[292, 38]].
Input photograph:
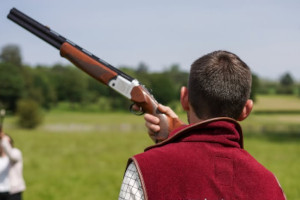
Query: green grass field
[[82, 155]]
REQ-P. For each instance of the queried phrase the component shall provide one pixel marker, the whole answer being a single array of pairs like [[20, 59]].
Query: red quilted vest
[[205, 161]]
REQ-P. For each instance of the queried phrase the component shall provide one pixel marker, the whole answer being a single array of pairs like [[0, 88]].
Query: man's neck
[[192, 117]]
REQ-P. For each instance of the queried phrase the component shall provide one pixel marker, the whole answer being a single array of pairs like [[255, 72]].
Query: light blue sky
[[265, 34]]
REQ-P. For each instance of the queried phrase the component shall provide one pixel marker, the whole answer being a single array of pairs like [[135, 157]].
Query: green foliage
[[142, 68], [104, 104], [69, 82], [176, 106], [117, 101], [267, 87], [275, 87], [286, 84], [178, 77], [11, 54], [29, 114], [255, 86], [163, 88], [288, 89], [11, 85], [50, 85], [96, 90], [39, 86], [286, 80]]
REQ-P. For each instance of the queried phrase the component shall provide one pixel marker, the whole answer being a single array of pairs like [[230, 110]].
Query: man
[[204, 160], [14, 155]]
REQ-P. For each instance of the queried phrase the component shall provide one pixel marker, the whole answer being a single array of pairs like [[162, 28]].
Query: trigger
[[158, 111], [136, 112]]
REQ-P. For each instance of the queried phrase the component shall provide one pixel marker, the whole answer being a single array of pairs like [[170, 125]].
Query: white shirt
[[4, 171], [131, 188], [17, 183]]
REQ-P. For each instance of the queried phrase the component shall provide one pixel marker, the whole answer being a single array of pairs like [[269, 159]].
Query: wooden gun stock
[[146, 101], [87, 64]]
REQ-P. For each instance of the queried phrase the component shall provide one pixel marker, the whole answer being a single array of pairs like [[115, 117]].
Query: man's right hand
[[153, 123]]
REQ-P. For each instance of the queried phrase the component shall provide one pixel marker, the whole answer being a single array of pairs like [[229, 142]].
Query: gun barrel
[[36, 28], [53, 38]]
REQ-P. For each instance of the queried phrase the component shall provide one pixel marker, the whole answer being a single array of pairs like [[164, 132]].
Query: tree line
[[48, 86]]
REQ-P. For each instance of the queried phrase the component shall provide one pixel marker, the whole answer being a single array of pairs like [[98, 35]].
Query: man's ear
[[246, 110], [184, 98]]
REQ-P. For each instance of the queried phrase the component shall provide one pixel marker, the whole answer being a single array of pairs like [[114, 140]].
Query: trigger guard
[[158, 111], [139, 112]]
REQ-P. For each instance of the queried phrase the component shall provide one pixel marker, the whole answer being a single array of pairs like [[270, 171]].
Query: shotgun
[[100, 70]]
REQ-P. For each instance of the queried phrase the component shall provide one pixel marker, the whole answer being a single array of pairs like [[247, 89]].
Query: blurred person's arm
[[13, 154]]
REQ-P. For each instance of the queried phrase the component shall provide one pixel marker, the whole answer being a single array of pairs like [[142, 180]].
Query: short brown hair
[[219, 85]]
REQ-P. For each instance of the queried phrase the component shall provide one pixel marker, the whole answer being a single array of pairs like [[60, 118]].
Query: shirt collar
[[223, 130]]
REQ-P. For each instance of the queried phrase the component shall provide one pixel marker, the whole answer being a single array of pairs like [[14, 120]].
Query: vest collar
[[223, 130]]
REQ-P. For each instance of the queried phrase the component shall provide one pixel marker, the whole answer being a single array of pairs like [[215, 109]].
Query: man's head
[[219, 86]]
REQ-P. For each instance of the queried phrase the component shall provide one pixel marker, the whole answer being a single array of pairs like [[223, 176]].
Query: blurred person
[[15, 169], [204, 160], [4, 175]]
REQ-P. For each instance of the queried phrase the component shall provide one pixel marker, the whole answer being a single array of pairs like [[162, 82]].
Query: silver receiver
[[123, 86]]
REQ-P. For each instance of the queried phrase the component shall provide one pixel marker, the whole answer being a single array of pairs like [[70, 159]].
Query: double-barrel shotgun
[[100, 70]]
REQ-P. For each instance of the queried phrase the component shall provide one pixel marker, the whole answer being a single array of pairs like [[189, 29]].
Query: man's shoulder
[[245, 162]]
